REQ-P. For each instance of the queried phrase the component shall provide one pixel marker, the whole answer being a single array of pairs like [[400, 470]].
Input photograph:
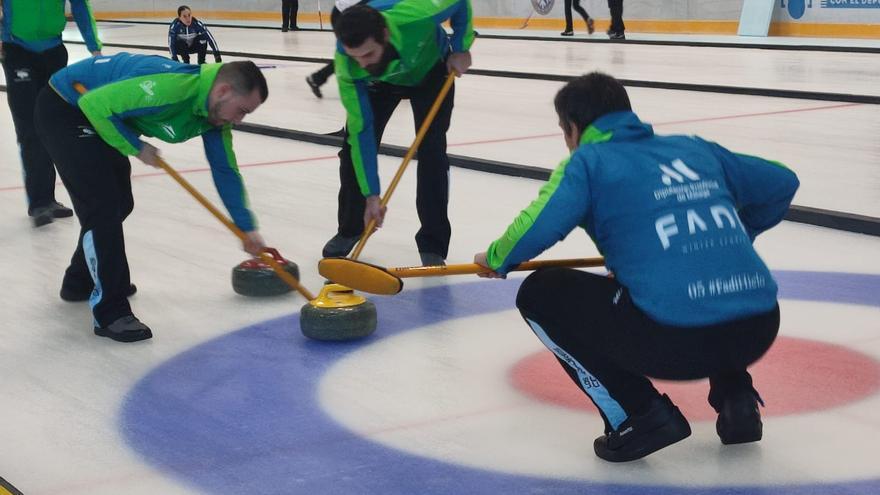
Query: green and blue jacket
[[129, 96], [674, 216], [36, 25], [421, 42]]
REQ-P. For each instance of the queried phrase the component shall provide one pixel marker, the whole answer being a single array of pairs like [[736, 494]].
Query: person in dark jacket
[[675, 218], [188, 35]]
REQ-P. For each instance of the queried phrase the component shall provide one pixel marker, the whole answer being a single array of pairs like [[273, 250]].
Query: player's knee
[[536, 289]]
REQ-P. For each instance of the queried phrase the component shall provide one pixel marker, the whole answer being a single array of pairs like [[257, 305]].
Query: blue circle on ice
[[239, 414]]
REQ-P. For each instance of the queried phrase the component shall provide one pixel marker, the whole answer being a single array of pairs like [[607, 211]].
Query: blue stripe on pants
[[594, 388], [92, 262]]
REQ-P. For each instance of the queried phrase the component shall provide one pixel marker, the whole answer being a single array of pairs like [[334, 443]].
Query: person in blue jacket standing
[[688, 296], [188, 35], [91, 117]]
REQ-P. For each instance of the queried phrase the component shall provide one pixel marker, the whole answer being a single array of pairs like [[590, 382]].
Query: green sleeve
[[562, 204], [109, 106], [459, 13]]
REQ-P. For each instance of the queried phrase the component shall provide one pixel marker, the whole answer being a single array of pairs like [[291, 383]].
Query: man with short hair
[[390, 51], [31, 51], [91, 116], [675, 218], [187, 35]]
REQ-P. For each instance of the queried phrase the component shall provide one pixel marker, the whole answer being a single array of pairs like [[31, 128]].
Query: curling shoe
[[739, 420], [314, 86], [125, 329], [661, 425]]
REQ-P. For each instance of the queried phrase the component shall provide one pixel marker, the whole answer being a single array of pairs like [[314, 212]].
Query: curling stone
[[255, 278], [337, 314]]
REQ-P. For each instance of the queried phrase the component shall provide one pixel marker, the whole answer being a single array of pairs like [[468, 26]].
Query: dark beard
[[379, 67]]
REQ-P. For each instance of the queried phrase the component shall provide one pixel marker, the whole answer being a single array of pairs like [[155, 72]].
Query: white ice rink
[[229, 397]]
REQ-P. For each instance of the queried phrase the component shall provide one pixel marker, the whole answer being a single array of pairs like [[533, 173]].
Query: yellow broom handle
[[266, 257], [471, 268], [426, 124]]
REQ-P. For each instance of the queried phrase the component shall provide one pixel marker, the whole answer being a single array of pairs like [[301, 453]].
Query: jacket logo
[[85, 132], [678, 173], [147, 86], [169, 130], [22, 75]]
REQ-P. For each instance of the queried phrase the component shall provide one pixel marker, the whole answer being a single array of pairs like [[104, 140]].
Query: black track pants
[[199, 47], [289, 9], [98, 178], [609, 347], [27, 73]]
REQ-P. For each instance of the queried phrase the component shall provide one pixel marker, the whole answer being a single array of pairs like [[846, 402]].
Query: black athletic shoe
[[61, 211], [316, 88], [125, 329], [591, 26], [616, 36], [432, 259], [567, 33], [58, 210], [339, 246], [284, 29], [739, 420], [77, 295], [660, 426], [43, 215]]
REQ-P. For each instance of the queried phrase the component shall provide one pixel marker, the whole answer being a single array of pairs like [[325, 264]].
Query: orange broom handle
[[266, 257], [471, 268]]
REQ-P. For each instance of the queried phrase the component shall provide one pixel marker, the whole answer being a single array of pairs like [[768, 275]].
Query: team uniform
[[674, 217], [91, 137], [32, 52], [184, 40], [417, 71]]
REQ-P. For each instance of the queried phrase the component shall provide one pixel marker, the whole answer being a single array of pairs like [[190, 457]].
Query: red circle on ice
[[795, 376]]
